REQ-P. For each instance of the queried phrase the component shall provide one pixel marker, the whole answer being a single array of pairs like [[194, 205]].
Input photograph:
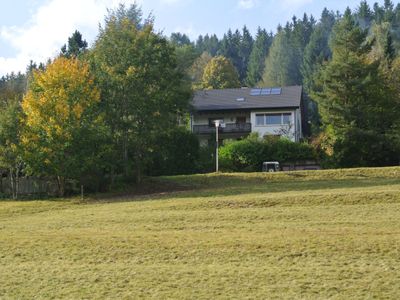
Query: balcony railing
[[229, 128]]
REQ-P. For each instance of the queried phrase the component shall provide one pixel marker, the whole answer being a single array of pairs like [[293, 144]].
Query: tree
[[393, 80], [76, 45], [220, 74], [209, 44], [12, 88], [229, 48], [353, 99], [197, 69], [245, 49], [185, 56], [317, 50], [142, 90], [382, 49], [63, 131], [177, 153], [10, 134], [179, 39], [283, 64], [278, 62], [364, 14], [257, 57]]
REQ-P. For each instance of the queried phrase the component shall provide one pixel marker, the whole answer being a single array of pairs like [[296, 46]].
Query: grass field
[[300, 235]]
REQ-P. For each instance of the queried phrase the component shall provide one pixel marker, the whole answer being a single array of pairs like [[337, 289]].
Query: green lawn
[[300, 235]]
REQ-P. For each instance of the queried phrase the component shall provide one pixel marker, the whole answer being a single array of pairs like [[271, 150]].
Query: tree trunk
[[1, 183], [125, 154], [16, 182], [61, 186], [13, 184], [138, 166]]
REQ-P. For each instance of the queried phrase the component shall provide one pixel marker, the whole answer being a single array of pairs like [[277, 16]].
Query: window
[[273, 119], [260, 119], [287, 118]]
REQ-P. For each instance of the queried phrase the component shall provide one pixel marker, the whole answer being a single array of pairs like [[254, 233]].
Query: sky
[[37, 29]]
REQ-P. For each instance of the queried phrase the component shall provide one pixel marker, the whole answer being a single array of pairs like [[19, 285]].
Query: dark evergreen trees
[[283, 64], [229, 48], [353, 100], [277, 63], [257, 57], [245, 49], [209, 44], [76, 45], [364, 14], [317, 50], [179, 39]]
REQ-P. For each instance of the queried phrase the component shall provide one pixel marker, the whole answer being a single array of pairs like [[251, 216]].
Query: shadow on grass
[[244, 187], [229, 184]]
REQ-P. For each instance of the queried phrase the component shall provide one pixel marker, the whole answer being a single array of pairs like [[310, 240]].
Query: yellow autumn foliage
[[59, 96], [55, 107]]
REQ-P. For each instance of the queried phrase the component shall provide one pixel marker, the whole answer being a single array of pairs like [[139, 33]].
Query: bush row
[[247, 155]]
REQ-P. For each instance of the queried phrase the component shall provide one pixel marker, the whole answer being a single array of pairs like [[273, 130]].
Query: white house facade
[[267, 111]]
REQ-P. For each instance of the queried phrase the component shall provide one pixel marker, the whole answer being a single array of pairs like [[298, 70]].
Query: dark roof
[[226, 99]]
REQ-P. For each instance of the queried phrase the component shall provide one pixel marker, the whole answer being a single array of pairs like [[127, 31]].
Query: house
[[267, 111]]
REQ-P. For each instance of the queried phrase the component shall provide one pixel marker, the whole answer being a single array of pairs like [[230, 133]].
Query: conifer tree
[[230, 48], [277, 63], [364, 14], [317, 50], [210, 44], [245, 49], [257, 57], [76, 45], [283, 63], [179, 39], [353, 100]]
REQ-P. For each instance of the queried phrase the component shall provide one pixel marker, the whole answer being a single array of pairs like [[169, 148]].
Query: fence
[[30, 186]]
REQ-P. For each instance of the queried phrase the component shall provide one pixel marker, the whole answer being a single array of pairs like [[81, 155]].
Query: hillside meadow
[[296, 235]]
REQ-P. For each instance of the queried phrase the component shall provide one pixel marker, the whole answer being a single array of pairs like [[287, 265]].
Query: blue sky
[[36, 29]]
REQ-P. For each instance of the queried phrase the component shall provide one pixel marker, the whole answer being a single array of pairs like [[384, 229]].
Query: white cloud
[[247, 4], [49, 28]]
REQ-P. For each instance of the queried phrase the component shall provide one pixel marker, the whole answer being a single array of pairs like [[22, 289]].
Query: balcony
[[229, 128]]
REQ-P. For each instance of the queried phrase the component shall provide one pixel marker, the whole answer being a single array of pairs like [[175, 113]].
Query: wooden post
[[82, 192]]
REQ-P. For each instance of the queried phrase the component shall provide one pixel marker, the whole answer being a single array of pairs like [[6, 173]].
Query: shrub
[[247, 155], [177, 153]]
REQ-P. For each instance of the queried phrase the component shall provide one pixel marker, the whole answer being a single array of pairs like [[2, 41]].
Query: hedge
[[247, 155]]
